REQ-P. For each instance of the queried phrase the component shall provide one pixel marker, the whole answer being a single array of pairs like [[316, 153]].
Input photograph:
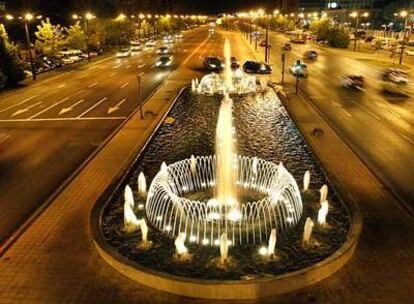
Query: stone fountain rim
[[219, 289]]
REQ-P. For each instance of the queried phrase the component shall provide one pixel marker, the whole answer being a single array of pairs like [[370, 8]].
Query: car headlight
[[222, 65], [168, 63], [263, 68], [212, 65], [158, 63]]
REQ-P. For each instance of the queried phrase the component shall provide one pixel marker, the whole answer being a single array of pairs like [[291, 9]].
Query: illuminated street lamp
[[9, 17], [27, 18], [88, 16], [276, 12]]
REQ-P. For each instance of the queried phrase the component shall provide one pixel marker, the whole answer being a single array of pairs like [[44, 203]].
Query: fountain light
[[131, 223], [234, 215], [140, 206], [205, 241], [129, 196], [307, 231], [224, 248], [323, 212], [142, 184], [193, 164], [263, 251], [324, 193], [179, 244], [306, 181], [144, 231]]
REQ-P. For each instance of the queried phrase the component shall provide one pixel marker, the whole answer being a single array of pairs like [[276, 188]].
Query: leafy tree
[[119, 32], [11, 68], [338, 37], [50, 37], [321, 28], [76, 37]]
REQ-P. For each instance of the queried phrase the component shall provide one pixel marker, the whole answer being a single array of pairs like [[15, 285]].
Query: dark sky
[[61, 7]]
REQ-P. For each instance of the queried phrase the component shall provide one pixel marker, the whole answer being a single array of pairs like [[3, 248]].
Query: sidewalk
[[381, 269]]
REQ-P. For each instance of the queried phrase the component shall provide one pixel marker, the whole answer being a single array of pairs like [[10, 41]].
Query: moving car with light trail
[[163, 50], [310, 55], [123, 53], [212, 63], [395, 75], [256, 67], [299, 69], [164, 61], [234, 63], [352, 81]]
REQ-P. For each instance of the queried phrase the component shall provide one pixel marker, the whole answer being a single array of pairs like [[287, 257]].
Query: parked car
[[409, 52], [299, 69], [352, 81], [123, 53], [310, 55], [136, 48], [212, 63], [178, 36], [287, 46], [395, 75], [164, 61], [150, 44], [257, 67]]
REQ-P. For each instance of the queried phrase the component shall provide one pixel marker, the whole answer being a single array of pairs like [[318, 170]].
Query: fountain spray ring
[[171, 208]]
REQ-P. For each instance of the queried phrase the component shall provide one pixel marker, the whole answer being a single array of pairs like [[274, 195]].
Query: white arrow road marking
[[26, 109], [48, 108], [93, 107], [18, 104], [117, 106], [64, 110], [125, 85], [92, 85]]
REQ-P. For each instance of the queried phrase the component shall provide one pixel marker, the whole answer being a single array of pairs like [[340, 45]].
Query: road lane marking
[[93, 107], [26, 109], [195, 51], [113, 74], [116, 107], [70, 108], [141, 66], [141, 74], [48, 108], [18, 104], [365, 110], [346, 112], [124, 85], [64, 119], [128, 66], [117, 66], [79, 92], [407, 138], [92, 85]]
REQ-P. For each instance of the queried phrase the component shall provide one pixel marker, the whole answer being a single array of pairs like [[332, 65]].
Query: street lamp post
[[139, 95], [27, 18], [357, 15], [267, 42], [404, 14]]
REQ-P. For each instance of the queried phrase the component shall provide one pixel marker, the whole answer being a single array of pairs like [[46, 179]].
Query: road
[[379, 128], [51, 127]]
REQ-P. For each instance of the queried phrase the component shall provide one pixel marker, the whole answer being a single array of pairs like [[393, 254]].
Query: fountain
[[323, 212], [144, 231], [324, 193], [179, 245], [142, 184], [307, 231], [131, 223], [129, 196], [224, 248], [272, 243], [306, 181]]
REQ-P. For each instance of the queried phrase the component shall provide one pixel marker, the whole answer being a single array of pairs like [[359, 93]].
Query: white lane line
[[92, 85], [365, 110], [116, 107], [113, 74], [128, 66], [141, 66], [124, 85], [70, 108], [347, 113], [407, 138], [26, 109], [48, 108], [79, 92], [139, 61], [65, 119], [117, 66], [185, 51], [93, 107], [141, 74], [18, 104], [195, 51]]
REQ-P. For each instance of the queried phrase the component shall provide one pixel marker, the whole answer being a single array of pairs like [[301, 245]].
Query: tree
[[321, 28], [11, 68], [50, 38], [76, 37], [338, 37]]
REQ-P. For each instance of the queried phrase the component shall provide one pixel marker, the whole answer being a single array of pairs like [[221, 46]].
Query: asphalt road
[[49, 128], [379, 127]]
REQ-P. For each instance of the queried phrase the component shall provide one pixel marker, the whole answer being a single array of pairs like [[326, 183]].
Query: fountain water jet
[[144, 231], [324, 193], [306, 181], [307, 231], [272, 243], [224, 248], [179, 244], [131, 223], [323, 212], [129, 196], [142, 184]]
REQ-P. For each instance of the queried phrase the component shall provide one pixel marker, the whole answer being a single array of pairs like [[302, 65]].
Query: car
[[178, 36], [212, 63], [409, 52], [263, 44], [310, 55], [168, 39], [299, 69], [164, 61], [395, 75], [150, 43], [136, 48], [257, 67], [163, 50], [234, 63], [123, 53], [287, 46], [352, 81]]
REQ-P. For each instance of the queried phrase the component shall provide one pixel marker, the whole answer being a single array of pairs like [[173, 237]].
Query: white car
[[123, 53], [409, 52], [136, 48], [299, 70], [178, 36], [150, 43]]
